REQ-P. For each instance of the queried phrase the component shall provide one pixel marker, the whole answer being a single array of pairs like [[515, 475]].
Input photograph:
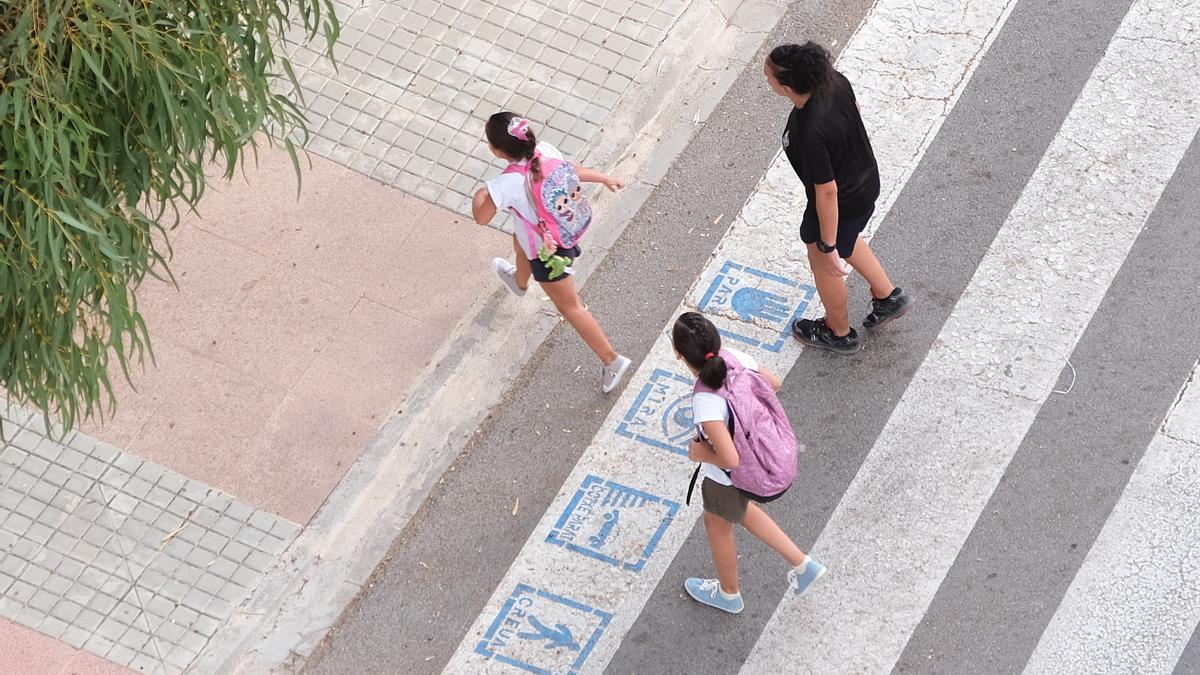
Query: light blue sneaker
[[802, 577], [708, 592]]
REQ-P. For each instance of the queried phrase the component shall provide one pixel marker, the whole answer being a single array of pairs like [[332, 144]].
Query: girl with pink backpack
[[543, 193], [747, 454]]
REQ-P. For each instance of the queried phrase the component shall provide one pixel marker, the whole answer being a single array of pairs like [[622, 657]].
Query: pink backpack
[[563, 212], [762, 434]]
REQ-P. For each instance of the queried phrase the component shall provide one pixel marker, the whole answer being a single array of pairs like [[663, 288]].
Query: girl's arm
[[589, 176], [482, 207], [719, 450], [771, 378]]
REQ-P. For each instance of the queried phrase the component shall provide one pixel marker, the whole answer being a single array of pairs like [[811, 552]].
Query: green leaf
[[109, 111], [76, 223], [96, 70]]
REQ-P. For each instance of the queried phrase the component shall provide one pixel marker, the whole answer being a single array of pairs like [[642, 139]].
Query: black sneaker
[[887, 310], [817, 334]]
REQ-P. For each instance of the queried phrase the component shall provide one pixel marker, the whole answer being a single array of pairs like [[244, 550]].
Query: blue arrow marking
[[560, 636]]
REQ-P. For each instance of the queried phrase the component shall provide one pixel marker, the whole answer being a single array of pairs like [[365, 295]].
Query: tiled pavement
[[416, 79], [28, 652], [121, 557]]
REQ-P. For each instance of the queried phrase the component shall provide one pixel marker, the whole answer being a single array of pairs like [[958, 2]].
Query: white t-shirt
[[709, 407], [508, 191]]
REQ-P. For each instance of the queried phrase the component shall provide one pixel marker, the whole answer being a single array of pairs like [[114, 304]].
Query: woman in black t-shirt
[[827, 145]]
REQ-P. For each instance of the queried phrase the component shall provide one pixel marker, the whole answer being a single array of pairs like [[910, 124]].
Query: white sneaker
[[508, 274], [614, 371]]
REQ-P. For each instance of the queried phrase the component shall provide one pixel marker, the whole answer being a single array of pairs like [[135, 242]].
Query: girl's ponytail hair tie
[[518, 127], [709, 356]]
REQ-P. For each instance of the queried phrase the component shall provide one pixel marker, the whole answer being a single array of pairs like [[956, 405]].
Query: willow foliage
[[110, 111]]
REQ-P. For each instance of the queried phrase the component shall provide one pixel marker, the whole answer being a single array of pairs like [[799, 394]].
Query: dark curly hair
[[804, 68], [497, 134]]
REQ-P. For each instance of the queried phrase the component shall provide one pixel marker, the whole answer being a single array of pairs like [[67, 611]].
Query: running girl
[[512, 140]]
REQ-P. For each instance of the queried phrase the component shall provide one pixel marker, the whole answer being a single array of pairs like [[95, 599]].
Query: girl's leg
[[562, 293], [724, 552], [831, 286], [524, 270], [865, 263], [759, 524]]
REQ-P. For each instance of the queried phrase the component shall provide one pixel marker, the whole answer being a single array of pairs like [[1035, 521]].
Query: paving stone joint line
[[119, 556]]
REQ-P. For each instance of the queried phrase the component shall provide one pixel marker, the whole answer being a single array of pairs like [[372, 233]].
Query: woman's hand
[[699, 450], [843, 267], [827, 264]]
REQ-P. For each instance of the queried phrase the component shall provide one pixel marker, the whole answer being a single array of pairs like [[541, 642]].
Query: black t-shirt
[[826, 140]]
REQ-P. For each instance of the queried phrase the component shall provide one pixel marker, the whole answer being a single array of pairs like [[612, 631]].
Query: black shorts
[[847, 234], [541, 273]]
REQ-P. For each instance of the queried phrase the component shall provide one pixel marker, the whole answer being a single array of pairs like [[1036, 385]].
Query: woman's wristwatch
[[825, 248]]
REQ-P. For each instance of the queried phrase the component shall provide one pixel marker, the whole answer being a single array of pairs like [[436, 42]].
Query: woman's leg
[[724, 552], [831, 286], [759, 524], [864, 262], [566, 299], [524, 269]]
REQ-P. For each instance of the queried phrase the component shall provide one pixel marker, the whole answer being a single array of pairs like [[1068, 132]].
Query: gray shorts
[[724, 501]]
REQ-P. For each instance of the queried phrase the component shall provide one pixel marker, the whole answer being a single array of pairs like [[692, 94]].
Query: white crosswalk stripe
[[1136, 601], [901, 523]]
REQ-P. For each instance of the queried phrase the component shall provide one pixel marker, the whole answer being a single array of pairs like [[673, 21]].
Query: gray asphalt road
[[1054, 497]]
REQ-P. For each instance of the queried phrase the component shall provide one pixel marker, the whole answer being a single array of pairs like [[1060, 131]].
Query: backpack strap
[[732, 364], [539, 227], [529, 176], [535, 229], [733, 368], [692, 484]]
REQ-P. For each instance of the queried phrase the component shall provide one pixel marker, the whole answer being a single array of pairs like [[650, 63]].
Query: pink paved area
[[27, 652], [296, 330]]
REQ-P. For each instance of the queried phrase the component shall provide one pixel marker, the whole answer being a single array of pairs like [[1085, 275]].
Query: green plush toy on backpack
[[557, 264]]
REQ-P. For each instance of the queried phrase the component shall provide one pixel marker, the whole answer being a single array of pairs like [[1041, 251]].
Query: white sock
[[727, 596]]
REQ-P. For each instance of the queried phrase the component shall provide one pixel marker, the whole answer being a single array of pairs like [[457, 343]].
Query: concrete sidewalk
[[297, 327], [319, 365]]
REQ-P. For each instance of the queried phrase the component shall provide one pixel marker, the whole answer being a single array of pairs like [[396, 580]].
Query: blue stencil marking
[[757, 297], [661, 415], [613, 523], [542, 632]]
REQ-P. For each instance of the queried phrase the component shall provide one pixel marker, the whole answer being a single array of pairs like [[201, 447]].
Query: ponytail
[[713, 372], [699, 343], [535, 165]]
